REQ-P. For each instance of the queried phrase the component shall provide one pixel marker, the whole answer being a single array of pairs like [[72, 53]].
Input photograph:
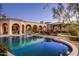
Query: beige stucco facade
[[12, 26]]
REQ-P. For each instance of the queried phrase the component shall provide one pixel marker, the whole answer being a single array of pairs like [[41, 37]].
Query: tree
[[58, 12], [64, 13], [77, 17], [73, 11], [73, 8]]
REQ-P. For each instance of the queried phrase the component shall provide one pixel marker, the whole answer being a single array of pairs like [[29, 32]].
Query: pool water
[[35, 46]]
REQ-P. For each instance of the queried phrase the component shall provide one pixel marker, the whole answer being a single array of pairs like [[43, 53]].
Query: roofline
[[21, 20]]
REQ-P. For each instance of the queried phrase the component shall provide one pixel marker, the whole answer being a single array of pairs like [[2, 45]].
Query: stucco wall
[[10, 22], [1, 23]]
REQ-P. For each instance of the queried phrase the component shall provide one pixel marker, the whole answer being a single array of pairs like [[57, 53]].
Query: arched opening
[[40, 28], [15, 29], [28, 27], [23, 29], [35, 28], [5, 28]]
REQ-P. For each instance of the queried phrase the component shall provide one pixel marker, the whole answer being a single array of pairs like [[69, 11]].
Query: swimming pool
[[35, 46]]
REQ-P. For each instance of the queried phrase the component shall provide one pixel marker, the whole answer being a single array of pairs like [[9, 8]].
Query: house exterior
[[10, 26]]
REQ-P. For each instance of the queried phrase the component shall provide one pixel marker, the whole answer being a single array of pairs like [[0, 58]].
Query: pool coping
[[9, 54], [74, 48]]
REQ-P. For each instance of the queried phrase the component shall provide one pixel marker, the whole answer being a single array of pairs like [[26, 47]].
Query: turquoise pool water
[[35, 46]]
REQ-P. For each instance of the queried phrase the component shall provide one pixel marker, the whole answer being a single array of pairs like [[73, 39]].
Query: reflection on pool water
[[35, 46]]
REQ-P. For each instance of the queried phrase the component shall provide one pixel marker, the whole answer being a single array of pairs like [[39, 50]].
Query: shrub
[[71, 30], [3, 50]]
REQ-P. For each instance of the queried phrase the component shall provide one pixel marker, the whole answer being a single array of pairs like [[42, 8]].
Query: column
[[0, 29], [24, 29], [10, 27], [1, 32], [20, 29]]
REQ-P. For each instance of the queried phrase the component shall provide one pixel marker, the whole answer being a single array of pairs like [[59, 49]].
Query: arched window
[[15, 29], [40, 28], [35, 28], [28, 27], [5, 28]]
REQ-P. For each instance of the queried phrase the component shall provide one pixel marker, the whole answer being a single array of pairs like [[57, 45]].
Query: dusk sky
[[29, 12]]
